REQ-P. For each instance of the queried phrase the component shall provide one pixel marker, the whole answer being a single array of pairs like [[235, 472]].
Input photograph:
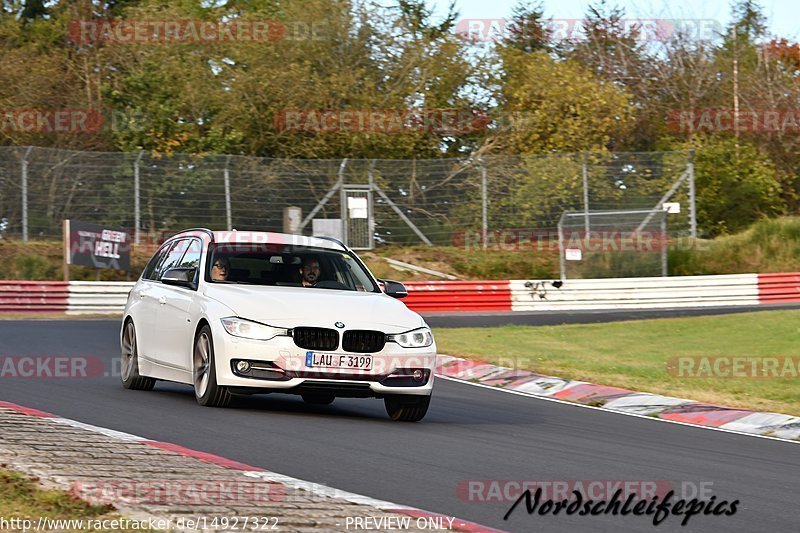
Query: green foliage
[[769, 245], [527, 30], [34, 267], [736, 185], [558, 106], [607, 92]]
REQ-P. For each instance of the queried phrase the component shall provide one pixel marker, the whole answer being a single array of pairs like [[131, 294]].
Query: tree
[[737, 184], [528, 29], [558, 106]]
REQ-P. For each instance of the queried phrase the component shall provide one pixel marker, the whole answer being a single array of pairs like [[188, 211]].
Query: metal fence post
[[585, 196], [484, 206], [561, 251], [25, 194], [692, 205], [227, 176], [664, 250], [137, 215]]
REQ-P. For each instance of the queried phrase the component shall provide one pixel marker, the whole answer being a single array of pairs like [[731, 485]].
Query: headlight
[[239, 327], [418, 338]]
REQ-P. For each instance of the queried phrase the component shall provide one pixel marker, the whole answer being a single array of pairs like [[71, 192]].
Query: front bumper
[[283, 354]]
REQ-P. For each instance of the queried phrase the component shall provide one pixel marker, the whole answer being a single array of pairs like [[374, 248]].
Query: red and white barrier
[[90, 297], [779, 288], [33, 296], [427, 296], [637, 293], [98, 297]]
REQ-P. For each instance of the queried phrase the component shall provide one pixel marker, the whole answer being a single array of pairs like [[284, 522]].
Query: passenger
[[309, 272], [220, 269]]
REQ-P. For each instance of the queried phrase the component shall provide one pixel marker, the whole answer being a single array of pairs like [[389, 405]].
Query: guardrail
[[779, 288], [428, 296], [89, 297], [97, 297], [636, 293], [33, 296]]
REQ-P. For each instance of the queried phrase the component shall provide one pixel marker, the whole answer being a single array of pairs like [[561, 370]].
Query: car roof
[[265, 237]]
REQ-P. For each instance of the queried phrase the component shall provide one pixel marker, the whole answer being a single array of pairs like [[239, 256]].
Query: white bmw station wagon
[[240, 312]]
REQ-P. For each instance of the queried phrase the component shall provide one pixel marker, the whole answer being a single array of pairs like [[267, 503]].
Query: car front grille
[[316, 338], [363, 341]]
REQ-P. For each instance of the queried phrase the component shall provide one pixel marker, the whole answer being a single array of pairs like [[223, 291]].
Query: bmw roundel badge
[[339, 325]]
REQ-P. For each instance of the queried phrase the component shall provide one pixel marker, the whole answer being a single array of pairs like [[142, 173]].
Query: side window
[[191, 259], [173, 257], [152, 268]]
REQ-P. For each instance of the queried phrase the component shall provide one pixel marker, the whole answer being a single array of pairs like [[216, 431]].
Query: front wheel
[[129, 367], [407, 408], [204, 373]]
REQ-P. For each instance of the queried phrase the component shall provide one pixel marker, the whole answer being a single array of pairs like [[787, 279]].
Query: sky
[[782, 15]]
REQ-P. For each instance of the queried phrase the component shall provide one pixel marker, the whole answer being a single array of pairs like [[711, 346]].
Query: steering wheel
[[329, 284]]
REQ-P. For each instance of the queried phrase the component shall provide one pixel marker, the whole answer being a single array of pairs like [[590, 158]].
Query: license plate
[[333, 360]]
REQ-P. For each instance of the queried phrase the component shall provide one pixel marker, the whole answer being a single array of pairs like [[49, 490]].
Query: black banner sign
[[98, 246]]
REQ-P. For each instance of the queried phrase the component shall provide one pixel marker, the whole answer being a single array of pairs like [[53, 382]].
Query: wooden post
[[66, 250]]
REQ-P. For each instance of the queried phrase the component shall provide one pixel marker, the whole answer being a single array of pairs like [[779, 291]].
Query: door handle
[[162, 300]]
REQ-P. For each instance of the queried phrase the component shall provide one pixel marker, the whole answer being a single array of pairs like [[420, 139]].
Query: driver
[[220, 269], [309, 272]]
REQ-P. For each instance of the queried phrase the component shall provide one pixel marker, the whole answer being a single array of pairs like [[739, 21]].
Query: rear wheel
[[129, 367], [204, 373], [319, 399], [407, 408]]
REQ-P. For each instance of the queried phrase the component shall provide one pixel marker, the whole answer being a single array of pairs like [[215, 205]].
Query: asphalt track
[[470, 433]]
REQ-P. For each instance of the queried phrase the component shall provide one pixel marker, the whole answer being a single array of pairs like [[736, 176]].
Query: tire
[[204, 372], [318, 399], [407, 408], [129, 359]]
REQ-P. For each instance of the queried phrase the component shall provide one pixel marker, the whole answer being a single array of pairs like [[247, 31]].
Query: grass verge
[[634, 355], [21, 498]]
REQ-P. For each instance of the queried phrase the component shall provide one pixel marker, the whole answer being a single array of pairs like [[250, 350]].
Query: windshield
[[287, 265]]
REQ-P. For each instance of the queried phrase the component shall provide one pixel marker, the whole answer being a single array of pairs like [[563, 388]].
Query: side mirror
[[395, 289], [181, 277]]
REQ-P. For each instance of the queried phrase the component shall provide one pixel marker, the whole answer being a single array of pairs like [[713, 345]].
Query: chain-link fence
[[613, 243], [473, 202]]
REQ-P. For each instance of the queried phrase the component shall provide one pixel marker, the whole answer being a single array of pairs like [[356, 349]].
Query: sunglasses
[[220, 266]]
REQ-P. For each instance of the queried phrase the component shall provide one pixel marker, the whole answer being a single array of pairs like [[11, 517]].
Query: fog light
[[243, 367], [417, 375]]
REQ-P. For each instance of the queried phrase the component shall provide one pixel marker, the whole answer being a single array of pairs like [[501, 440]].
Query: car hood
[[304, 306]]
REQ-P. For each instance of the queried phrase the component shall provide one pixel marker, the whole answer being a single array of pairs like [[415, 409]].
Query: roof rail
[[204, 230], [333, 239]]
